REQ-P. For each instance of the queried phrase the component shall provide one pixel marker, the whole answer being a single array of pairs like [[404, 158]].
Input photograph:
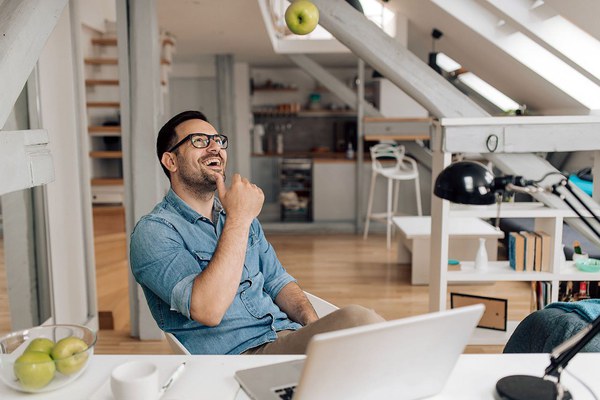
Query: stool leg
[[389, 214], [370, 205], [418, 190], [396, 195], [395, 201]]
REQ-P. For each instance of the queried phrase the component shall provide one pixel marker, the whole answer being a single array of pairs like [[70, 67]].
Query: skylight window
[[477, 84], [573, 42], [552, 69], [492, 94], [537, 37]]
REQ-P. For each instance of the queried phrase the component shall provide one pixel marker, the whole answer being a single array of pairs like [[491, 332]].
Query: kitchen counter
[[315, 156]]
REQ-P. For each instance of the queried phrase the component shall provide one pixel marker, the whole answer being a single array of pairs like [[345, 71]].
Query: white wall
[[94, 13]]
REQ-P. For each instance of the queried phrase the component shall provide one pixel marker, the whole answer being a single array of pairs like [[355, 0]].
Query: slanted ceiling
[[206, 27], [483, 58]]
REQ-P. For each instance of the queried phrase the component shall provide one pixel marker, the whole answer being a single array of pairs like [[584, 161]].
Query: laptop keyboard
[[285, 393]]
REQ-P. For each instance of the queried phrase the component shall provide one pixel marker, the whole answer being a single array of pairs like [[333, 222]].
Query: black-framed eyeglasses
[[202, 140]]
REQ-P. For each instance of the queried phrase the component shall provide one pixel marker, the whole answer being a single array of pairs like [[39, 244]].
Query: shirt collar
[[187, 212]]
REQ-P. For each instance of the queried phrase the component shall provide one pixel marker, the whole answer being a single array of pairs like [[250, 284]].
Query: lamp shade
[[466, 182]]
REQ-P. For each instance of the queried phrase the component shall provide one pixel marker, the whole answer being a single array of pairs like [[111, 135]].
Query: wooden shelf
[[168, 41], [98, 130], [103, 104], [104, 41], [496, 271], [164, 61], [107, 181], [274, 89], [304, 113], [101, 61], [102, 82], [106, 154]]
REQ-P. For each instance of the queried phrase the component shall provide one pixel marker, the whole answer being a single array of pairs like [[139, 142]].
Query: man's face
[[196, 168]]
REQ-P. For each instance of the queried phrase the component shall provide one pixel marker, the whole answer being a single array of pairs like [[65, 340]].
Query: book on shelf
[[546, 244], [529, 251], [516, 251], [578, 290], [541, 294]]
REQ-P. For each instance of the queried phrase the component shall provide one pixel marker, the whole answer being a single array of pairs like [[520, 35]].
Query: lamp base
[[524, 387]]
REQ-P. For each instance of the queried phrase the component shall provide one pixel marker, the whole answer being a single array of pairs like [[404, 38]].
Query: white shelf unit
[[516, 135]]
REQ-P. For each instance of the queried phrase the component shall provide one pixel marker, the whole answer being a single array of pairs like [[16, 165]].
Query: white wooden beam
[[395, 62], [521, 134], [25, 26], [139, 76], [25, 159]]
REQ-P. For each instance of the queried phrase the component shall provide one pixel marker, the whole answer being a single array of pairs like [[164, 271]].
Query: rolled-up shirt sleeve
[[161, 263], [276, 277]]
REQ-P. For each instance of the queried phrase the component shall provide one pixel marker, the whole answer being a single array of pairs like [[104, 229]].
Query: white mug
[[135, 380]]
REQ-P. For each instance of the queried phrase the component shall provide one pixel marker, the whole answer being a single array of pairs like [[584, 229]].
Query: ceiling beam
[[25, 26], [394, 61]]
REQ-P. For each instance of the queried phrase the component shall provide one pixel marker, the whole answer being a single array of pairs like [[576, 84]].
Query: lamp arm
[[564, 352], [566, 184]]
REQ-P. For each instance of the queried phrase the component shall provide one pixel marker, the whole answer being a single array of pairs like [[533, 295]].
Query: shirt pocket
[[203, 258], [252, 261]]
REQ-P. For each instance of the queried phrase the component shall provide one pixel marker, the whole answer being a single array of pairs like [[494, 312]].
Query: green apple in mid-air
[[302, 17], [70, 355], [42, 345], [34, 369]]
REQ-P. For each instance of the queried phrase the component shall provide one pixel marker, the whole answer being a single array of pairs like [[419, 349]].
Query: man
[[208, 273]]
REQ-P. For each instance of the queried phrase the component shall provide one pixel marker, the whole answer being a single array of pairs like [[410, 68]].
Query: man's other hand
[[243, 200]]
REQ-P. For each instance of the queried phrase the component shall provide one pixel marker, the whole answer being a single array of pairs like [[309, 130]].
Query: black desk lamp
[[469, 182]]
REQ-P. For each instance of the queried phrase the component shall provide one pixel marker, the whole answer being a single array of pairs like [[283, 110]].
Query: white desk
[[415, 235], [211, 377]]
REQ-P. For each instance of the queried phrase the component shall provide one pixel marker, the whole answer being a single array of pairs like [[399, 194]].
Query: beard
[[200, 183]]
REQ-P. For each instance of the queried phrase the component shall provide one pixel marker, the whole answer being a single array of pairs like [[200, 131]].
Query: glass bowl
[[35, 366]]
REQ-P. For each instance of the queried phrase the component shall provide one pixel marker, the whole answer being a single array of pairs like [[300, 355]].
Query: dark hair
[[167, 137]]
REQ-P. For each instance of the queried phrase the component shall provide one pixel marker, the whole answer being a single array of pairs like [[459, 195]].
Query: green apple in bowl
[[43, 345], [302, 17], [70, 355], [34, 369]]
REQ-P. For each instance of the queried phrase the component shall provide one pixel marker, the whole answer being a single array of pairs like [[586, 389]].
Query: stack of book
[[529, 251], [541, 293]]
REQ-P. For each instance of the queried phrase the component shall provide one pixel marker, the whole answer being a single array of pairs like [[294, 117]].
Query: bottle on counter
[[350, 151], [279, 143]]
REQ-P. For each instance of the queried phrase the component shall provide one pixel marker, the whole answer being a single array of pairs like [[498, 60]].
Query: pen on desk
[[176, 374]]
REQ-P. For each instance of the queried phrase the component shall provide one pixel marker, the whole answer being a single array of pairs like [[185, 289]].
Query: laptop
[[409, 358]]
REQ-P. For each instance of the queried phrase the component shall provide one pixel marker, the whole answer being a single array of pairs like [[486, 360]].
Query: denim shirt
[[172, 245]]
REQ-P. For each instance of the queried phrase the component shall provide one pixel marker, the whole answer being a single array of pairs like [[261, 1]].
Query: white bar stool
[[399, 167]]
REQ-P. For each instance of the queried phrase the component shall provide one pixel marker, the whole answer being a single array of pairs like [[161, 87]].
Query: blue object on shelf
[[586, 186], [588, 264]]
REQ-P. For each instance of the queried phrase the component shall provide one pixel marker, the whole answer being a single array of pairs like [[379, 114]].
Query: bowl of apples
[[45, 358]]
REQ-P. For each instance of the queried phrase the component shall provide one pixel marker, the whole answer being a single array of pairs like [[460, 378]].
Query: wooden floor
[[341, 268]]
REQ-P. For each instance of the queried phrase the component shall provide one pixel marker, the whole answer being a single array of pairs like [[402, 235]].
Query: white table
[[415, 234], [211, 377]]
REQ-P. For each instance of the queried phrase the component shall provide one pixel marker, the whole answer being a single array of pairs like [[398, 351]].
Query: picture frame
[[496, 309]]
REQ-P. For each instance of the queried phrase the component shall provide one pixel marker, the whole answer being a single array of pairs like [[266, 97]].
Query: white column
[[69, 232]]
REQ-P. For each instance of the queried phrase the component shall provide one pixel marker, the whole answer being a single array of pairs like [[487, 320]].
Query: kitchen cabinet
[[334, 190]]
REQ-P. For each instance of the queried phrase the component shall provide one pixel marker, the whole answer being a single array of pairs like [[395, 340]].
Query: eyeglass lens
[[201, 141]]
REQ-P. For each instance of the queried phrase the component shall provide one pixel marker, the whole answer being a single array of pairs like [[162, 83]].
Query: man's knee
[[355, 315]]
